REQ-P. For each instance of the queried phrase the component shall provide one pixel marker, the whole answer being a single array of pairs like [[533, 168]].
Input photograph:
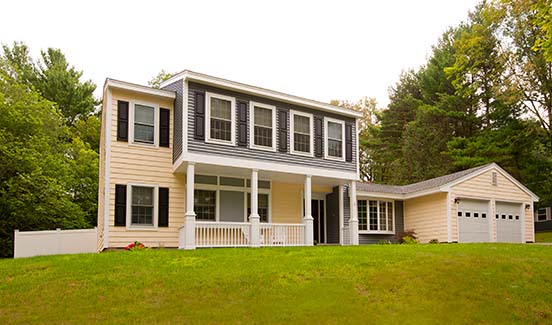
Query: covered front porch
[[240, 207]]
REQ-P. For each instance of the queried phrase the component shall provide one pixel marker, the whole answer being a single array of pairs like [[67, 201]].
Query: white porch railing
[[222, 234], [280, 234], [238, 234]]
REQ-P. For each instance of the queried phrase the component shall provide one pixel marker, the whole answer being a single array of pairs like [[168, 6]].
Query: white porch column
[[254, 216], [353, 218], [307, 219], [189, 225]]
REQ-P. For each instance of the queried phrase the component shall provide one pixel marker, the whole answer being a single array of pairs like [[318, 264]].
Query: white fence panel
[[52, 242]]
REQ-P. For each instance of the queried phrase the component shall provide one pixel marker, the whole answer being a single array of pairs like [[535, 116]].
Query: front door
[[319, 222]]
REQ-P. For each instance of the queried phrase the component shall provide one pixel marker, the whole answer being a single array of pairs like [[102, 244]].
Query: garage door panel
[[508, 222], [473, 221]]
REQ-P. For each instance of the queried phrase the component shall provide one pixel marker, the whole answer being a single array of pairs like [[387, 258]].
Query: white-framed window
[[541, 214], [376, 216], [301, 135], [334, 134], [262, 126], [207, 196], [144, 123], [142, 206], [205, 204], [220, 119], [263, 206]]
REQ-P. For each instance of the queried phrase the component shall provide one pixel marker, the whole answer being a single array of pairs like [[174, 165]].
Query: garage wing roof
[[420, 186]]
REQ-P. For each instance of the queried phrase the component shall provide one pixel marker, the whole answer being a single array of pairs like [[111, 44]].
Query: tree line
[[484, 95], [49, 144]]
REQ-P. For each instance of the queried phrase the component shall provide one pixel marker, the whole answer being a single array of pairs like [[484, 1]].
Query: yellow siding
[[287, 201], [427, 216], [481, 187], [145, 165]]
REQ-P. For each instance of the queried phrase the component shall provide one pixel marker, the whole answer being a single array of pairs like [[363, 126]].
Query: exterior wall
[[427, 216], [200, 146], [178, 88], [287, 201], [145, 165], [399, 227], [506, 191]]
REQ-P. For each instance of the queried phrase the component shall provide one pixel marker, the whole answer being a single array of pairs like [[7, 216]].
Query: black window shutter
[[199, 120], [318, 137], [164, 127], [242, 124], [120, 205], [163, 207], [282, 130], [122, 121], [348, 142]]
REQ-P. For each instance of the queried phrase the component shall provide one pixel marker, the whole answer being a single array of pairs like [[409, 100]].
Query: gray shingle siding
[[178, 87], [199, 146]]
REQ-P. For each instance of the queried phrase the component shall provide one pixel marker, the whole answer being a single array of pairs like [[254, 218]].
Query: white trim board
[[262, 92], [112, 83]]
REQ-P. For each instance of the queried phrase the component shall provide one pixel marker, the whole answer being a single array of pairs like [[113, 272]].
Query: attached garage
[[481, 204], [508, 222], [473, 221]]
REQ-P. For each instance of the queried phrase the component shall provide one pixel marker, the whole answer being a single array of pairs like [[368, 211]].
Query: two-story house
[[206, 162], [209, 162]]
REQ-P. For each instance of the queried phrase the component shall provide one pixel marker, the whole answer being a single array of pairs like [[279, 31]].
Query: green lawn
[[448, 283], [543, 237]]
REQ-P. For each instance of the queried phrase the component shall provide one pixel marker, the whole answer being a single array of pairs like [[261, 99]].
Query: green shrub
[[406, 237], [384, 242], [434, 241], [409, 240]]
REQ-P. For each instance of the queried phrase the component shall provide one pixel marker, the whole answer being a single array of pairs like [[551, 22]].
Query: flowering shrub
[[135, 246]]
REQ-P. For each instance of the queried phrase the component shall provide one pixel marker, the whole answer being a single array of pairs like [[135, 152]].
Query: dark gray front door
[[319, 224]]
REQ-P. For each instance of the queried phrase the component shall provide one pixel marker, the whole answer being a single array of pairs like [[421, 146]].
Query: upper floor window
[[262, 126], [220, 118], [144, 123], [335, 142], [301, 133]]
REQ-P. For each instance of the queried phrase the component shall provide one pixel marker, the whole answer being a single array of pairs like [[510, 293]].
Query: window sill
[[373, 232], [300, 153], [256, 147], [215, 141], [142, 228], [335, 158], [143, 145]]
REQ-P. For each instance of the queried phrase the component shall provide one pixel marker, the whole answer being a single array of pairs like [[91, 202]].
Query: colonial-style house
[[209, 162]]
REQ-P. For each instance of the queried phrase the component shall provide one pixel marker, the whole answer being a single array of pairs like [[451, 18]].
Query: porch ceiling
[[209, 169]]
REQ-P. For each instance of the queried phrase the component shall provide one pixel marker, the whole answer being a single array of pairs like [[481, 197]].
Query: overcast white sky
[[321, 50]]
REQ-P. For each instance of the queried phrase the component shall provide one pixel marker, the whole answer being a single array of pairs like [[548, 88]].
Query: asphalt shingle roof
[[416, 187]]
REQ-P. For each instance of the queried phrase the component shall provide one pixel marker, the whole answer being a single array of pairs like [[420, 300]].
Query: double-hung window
[[262, 206], [335, 142], [205, 204], [142, 207], [144, 123], [220, 118], [375, 216], [262, 126], [301, 133]]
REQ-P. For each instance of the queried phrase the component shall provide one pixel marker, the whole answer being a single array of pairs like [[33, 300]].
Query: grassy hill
[[482, 283]]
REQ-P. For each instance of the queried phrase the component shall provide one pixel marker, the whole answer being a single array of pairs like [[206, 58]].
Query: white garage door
[[473, 221], [508, 222]]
